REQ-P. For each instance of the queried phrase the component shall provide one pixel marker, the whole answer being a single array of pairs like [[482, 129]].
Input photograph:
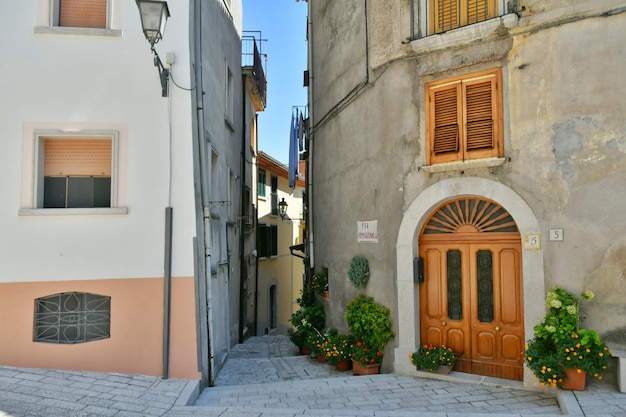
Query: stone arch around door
[[417, 213]]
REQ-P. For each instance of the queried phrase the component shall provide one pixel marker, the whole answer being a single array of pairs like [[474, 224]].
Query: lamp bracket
[[164, 73]]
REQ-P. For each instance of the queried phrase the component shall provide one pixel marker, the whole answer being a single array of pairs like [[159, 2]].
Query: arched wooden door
[[471, 297]]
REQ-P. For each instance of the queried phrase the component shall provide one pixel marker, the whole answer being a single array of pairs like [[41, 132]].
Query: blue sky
[[283, 24]]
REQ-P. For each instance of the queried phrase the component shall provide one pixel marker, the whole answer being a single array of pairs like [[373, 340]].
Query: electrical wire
[[174, 82]]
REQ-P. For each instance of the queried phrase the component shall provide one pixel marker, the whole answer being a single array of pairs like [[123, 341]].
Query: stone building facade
[[488, 142]]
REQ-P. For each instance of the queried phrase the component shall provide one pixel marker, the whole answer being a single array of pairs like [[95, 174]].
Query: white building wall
[[69, 82]]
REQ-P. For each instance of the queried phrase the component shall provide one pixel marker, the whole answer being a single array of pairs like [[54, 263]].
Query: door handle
[[443, 323], [497, 328]]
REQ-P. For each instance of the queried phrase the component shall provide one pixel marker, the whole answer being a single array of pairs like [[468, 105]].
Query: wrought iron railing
[[252, 57]]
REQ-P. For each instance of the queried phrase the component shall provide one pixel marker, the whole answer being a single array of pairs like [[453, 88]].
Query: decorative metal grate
[[73, 317], [470, 214], [455, 285], [484, 275]]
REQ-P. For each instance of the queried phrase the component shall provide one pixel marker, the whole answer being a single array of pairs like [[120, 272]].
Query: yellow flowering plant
[[339, 347], [430, 357], [560, 343]]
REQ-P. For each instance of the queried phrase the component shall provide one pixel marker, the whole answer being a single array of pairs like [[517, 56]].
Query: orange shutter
[[464, 119], [444, 122], [446, 15], [483, 116], [479, 115], [83, 13], [91, 157], [450, 14]]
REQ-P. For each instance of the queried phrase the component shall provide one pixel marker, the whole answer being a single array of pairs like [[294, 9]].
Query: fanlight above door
[[470, 215]]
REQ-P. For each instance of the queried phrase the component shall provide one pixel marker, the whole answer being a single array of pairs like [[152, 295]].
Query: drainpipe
[[243, 268], [256, 229], [310, 134], [167, 286]]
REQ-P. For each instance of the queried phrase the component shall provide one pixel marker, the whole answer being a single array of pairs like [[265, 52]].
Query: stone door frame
[[408, 337]]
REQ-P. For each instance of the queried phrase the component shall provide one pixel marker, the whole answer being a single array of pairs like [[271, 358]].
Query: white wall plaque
[[556, 235], [367, 231]]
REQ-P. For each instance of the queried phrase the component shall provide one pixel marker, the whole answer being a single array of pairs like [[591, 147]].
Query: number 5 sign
[[532, 242]]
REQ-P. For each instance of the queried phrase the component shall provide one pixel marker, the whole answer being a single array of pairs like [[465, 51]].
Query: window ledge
[[73, 211], [60, 30], [464, 35], [458, 166], [229, 123]]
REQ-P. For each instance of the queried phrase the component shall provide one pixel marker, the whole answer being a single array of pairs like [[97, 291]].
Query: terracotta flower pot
[[442, 370], [574, 379], [359, 369], [321, 358], [344, 365]]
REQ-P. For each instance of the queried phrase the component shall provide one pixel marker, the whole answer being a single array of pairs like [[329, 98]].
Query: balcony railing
[[252, 59]]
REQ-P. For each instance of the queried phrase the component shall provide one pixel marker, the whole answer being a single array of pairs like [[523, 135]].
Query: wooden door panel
[[485, 347], [511, 289], [494, 345], [512, 346], [506, 329], [434, 285]]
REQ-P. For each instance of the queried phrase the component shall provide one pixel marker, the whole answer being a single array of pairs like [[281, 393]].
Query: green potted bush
[[359, 272], [371, 325], [560, 352], [306, 321]]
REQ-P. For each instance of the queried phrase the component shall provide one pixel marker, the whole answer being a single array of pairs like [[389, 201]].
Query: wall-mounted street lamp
[[154, 15], [282, 210]]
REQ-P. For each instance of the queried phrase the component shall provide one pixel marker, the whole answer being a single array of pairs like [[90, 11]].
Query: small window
[[268, 240], [464, 118], [274, 185], [229, 112], [77, 172], [261, 183], [73, 317], [445, 15], [80, 13]]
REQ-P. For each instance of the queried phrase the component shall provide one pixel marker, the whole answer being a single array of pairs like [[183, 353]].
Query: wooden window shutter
[[78, 157], [445, 102], [83, 13], [482, 116], [446, 15], [450, 14], [479, 115], [464, 118]]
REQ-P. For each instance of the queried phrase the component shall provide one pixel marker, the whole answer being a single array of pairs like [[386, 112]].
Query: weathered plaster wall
[[565, 139]]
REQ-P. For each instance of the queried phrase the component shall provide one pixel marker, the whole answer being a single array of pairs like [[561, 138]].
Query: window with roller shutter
[[77, 172], [80, 13], [464, 117]]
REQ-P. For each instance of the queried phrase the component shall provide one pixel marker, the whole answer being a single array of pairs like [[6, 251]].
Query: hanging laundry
[[293, 149]]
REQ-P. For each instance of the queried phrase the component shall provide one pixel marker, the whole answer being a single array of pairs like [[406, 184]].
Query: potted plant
[[338, 351], [561, 354], [359, 272], [371, 325], [319, 283], [438, 359], [306, 320]]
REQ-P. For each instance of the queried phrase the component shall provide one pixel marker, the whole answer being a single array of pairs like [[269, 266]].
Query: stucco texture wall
[[564, 142], [135, 345]]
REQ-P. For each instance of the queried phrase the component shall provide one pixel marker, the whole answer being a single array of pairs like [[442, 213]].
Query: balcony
[[252, 67]]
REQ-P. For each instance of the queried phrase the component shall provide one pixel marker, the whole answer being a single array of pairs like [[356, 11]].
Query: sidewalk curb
[[189, 394], [568, 403]]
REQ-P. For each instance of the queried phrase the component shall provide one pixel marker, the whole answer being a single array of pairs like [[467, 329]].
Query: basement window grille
[[72, 317]]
